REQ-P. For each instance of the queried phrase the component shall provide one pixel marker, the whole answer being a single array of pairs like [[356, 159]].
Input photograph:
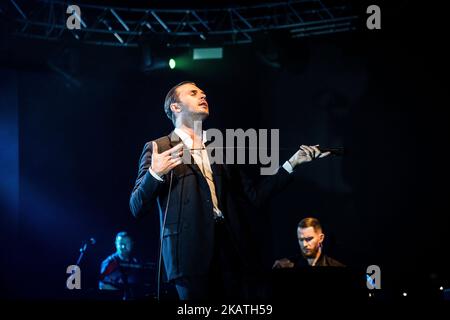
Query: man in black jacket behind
[[204, 246], [310, 239]]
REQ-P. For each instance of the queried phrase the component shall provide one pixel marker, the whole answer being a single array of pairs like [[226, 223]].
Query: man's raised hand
[[165, 161], [306, 154]]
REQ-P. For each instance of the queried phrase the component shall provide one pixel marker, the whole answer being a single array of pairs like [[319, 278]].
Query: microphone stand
[[82, 251]]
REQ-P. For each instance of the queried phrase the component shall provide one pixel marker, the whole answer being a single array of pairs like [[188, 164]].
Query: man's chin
[[308, 255], [202, 115]]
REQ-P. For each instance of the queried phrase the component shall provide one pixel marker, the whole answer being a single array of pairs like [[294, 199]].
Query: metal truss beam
[[119, 26]]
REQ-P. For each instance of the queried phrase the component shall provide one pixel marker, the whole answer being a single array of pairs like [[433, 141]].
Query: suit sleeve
[[258, 194], [146, 188]]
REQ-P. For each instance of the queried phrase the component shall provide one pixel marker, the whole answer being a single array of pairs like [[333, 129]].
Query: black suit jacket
[[188, 235], [323, 261]]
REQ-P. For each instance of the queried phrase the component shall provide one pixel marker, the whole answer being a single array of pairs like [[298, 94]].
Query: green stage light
[[172, 64]]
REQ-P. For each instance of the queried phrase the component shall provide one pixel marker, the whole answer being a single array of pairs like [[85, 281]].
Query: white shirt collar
[[187, 140]]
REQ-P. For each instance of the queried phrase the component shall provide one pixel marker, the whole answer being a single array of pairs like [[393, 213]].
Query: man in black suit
[[204, 240]]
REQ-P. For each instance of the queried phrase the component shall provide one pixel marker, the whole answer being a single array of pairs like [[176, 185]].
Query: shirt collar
[[187, 140]]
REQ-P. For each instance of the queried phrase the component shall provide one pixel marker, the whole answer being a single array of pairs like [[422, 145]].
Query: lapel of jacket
[[182, 169]]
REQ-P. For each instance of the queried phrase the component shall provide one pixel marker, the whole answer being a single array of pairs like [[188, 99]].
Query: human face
[[310, 241], [124, 245], [192, 103]]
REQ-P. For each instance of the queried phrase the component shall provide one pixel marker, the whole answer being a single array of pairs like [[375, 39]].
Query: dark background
[[70, 150]]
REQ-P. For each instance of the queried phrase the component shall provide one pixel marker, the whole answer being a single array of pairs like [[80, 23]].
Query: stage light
[[172, 63], [207, 53]]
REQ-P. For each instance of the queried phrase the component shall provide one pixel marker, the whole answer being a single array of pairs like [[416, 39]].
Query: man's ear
[[175, 107], [321, 238]]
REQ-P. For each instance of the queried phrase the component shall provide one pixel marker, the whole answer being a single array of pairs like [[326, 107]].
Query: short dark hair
[[172, 97], [310, 222]]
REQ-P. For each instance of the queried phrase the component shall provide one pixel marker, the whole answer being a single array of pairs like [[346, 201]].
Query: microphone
[[83, 249], [91, 241], [334, 151]]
